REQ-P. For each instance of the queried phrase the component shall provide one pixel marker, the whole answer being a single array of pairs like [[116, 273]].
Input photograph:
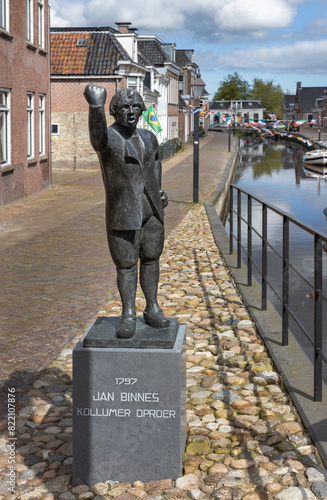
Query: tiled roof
[[99, 56], [288, 99], [152, 50], [219, 104], [251, 104], [143, 59], [181, 58], [308, 96]]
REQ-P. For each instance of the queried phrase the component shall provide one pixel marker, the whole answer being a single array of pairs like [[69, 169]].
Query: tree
[[233, 87], [270, 95]]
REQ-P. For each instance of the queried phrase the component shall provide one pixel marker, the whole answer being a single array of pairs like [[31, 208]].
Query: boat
[[318, 157]]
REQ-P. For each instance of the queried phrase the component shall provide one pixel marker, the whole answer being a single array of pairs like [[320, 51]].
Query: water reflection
[[275, 172]]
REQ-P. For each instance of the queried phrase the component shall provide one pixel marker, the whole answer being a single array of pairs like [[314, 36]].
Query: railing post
[[264, 258], [317, 318], [231, 220], [239, 229], [249, 240], [286, 279]]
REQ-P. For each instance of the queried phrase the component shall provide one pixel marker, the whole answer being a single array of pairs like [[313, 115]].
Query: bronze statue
[[135, 202]]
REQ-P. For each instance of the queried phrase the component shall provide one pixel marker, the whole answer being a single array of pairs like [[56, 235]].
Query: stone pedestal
[[129, 409]]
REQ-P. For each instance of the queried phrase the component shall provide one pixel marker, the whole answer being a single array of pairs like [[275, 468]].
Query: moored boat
[[318, 157]]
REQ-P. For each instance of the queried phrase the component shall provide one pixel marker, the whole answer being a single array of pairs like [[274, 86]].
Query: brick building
[[24, 98], [80, 56]]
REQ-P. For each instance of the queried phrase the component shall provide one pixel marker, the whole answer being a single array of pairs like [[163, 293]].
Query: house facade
[[24, 98], [159, 59], [188, 73], [246, 110], [288, 107], [308, 103], [78, 57], [115, 59]]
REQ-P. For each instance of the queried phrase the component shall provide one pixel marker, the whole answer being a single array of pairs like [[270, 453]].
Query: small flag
[[151, 118]]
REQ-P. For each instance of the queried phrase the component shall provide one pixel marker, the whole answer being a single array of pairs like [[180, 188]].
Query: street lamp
[[196, 157]]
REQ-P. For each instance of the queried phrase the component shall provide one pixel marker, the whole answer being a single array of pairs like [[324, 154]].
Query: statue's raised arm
[[96, 97]]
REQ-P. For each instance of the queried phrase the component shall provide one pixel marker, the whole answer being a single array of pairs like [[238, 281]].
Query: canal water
[[274, 172]]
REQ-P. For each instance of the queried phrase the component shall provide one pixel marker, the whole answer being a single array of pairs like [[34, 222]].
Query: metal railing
[[169, 148], [319, 239]]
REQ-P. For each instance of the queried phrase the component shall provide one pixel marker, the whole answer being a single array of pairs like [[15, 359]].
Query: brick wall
[[24, 67], [71, 148]]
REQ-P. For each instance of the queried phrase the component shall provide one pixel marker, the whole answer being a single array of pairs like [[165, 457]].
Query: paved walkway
[[55, 267], [245, 439]]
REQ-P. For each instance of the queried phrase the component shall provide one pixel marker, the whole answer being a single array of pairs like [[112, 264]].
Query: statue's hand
[[164, 198], [95, 95]]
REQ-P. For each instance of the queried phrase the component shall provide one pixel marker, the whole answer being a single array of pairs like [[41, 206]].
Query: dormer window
[[81, 42]]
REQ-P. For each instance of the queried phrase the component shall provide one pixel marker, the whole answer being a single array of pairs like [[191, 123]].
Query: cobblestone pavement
[[245, 440], [55, 267]]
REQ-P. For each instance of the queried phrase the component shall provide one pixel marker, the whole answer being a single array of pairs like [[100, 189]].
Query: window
[[55, 128], [29, 21], [30, 125], [4, 15], [41, 23], [5, 126], [181, 84], [41, 124], [133, 83]]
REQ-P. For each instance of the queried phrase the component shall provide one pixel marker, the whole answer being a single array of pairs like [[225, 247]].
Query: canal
[[274, 172]]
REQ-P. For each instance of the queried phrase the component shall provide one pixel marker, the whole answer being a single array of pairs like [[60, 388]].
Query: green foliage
[[233, 87], [270, 95]]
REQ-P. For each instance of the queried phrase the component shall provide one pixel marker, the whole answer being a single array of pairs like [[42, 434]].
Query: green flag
[[151, 118]]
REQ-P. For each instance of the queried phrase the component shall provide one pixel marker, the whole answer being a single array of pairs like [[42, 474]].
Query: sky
[[280, 40]]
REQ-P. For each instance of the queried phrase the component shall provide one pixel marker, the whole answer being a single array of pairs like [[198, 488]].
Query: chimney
[[298, 86], [127, 37], [123, 27]]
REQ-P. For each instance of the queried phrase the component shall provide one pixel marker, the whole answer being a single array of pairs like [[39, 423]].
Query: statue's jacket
[[132, 179]]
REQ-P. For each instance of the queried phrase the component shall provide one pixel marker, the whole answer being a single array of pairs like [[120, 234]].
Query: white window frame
[[30, 125], [133, 82], [41, 124], [5, 138], [53, 126], [4, 14], [41, 23], [29, 21]]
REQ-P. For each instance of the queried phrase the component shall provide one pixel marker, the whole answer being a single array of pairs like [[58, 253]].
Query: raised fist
[[95, 95]]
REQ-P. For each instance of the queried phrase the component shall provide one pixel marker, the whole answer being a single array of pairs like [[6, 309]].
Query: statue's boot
[[149, 278], [127, 283]]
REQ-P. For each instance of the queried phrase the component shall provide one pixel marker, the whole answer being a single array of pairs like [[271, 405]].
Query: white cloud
[[303, 57], [252, 15], [157, 16], [64, 14]]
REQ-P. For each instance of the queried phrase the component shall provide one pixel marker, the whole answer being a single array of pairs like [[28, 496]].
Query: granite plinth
[[103, 334], [129, 412]]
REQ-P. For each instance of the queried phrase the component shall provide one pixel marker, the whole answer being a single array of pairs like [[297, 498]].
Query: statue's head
[[126, 107]]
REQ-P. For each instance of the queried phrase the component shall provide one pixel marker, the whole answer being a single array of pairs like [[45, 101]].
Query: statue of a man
[[135, 202]]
